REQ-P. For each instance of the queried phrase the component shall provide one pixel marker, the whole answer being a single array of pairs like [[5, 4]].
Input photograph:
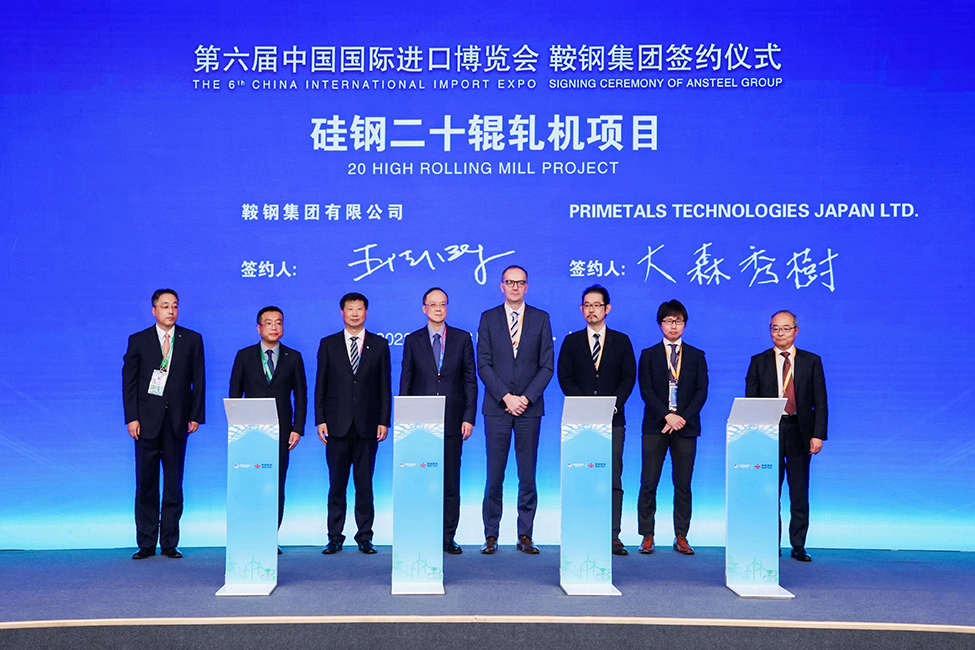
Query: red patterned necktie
[[789, 391]]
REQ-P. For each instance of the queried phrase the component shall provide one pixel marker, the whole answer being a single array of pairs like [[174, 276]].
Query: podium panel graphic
[[752, 492], [586, 566], [252, 497], [418, 432]]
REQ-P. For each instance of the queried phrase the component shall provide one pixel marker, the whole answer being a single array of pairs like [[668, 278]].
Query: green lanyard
[[165, 362], [267, 370]]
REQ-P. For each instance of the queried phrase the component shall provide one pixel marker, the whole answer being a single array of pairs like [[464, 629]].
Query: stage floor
[[916, 588]]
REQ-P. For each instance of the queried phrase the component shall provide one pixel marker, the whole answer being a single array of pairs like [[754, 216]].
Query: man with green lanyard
[[270, 369], [163, 394]]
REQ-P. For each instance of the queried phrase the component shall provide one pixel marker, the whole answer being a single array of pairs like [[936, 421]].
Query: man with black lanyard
[[674, 385], [163, 394]]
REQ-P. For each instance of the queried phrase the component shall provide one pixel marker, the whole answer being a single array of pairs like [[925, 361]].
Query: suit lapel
[[428, 348]]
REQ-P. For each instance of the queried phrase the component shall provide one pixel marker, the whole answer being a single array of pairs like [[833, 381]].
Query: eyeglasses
[[435, 305], [670, 322], [593, 305], [516, 283], [784, 330]]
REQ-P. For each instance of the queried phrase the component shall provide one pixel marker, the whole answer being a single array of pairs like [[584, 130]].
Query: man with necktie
[[439, 360], [353, 400], [271, 369], [515, 360], [796, 375], [164, 397], [600, 361], [674, 386]]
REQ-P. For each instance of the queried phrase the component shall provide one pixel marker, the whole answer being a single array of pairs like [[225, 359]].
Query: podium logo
[[407, 464], [762, 466], [253, 466], [577, 465]]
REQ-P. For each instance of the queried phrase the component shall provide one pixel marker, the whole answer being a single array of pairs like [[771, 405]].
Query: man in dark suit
[[515, 360], [271, 369], [439, 360], [353, 400], [163, 393], [796, 375], [674, 386], [600, 361]]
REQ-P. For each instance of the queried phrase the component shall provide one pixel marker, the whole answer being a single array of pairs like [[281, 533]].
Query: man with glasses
[[600, 361], [796, 375], [674, 385], [515, 360], [439, 360]]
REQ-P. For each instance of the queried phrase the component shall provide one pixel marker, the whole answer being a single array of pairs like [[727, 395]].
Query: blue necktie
[[270, 362], [437, 350], [354, 355]]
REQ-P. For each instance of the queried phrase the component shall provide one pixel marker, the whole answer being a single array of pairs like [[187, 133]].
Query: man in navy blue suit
[[515, 360], [439, 360], [271, 369], [674, 386], [796, 375], [353, 400], [600, 361], [164, 395]]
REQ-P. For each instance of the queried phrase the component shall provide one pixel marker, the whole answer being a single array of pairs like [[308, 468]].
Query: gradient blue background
[[117, 178]]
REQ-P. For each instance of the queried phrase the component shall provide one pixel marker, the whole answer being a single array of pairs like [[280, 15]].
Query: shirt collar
[[160, 333], [601, 332], [678, 343]]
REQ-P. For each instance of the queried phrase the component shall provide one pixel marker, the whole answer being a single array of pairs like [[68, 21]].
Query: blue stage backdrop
[[740, 157]]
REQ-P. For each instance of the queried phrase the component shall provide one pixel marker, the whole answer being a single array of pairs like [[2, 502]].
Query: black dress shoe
[[525, 545], [618, 548], [490, 546], [332, 547], [143, 553], [451, 548], [172, 553], [367, 547], [801, 555], [279, 550]]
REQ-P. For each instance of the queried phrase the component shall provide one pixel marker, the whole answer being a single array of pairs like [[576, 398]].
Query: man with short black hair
[[674, 386], [796, 375], [271, 369], [439, 360], [600, 361], [353, 400], [515, 360], [164, 397]]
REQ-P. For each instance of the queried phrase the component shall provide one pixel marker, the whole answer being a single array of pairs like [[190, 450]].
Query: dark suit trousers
[[682, 453], [619, 433], [284, 457], [151, 522], [359, 454], [497, 434], [794, 463], [452, 446]]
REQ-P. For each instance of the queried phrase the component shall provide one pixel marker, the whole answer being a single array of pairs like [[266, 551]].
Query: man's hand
[[674, 423], [515, 404], [815, 446], [323, 433], [293, 440], [134, 429], [192, 427], [381, 432], [466, 429]]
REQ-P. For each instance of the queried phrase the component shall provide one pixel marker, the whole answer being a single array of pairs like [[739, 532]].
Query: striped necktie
[[595, 351], [514, 329], [354, 354]]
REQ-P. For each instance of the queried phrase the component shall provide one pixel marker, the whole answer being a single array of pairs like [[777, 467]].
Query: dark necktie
[[437, 350], [674, 359], [788, 390], [595, 350], [354, 354], [270, 362]]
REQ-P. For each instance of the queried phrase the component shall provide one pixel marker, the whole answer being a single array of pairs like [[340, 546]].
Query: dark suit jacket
[[185, 392], [617, 369], [247, 379], [809, 386], [692, 389], [502, 373], [456, 380], [341, 397]]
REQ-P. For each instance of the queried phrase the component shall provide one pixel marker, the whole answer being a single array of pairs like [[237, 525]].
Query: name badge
[[158, 382], [673, 396]]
